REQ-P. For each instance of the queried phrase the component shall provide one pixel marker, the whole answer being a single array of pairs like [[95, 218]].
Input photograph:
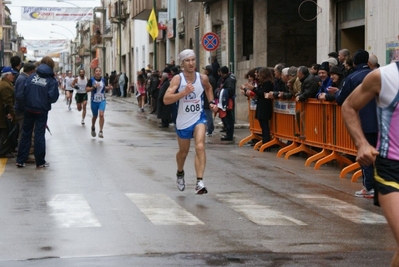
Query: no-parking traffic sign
[[210, 41]]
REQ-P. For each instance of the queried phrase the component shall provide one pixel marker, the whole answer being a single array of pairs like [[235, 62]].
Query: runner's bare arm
[[208, 91], [171, 96]]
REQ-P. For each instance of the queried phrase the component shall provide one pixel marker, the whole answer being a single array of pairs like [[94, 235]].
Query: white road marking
[[259, 214], [342, 209], [72, 210], [161, 210]]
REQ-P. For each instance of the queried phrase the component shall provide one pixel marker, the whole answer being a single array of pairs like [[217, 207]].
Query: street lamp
[[61, 34], [54, 24]]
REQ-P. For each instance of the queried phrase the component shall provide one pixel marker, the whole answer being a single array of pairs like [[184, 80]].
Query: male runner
[[68, 88], [79, 83], [381, 85], [187, 89]]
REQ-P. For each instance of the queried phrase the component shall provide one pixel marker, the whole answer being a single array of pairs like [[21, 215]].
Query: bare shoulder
[[204, 77], [372, 81], [175, 80]]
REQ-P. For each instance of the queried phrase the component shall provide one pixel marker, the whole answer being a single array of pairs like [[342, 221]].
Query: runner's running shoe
[[200, 188], [181, 185], [365, 193], [93, 131]]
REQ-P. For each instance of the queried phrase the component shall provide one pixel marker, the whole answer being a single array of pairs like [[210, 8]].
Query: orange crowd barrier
[[314, 127]]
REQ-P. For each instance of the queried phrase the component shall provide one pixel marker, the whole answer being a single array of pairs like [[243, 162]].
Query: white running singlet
[[68, 83], [82, 83], [191, 106]]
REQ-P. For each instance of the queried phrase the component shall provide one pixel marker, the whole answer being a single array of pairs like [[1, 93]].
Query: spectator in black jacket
[[228, 82], [264, 107], [309, 85]]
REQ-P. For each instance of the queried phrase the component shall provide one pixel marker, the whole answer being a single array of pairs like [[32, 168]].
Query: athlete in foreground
[[187, 89]]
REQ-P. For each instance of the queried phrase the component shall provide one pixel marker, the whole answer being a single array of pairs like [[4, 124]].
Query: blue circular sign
[[210, 41]]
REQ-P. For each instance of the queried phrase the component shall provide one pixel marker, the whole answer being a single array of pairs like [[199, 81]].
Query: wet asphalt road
[[114, 202]]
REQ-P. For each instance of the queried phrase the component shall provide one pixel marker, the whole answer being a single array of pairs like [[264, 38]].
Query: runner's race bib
[[98, 97]]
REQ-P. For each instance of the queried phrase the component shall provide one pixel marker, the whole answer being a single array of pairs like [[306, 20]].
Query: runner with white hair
[[187, 89]]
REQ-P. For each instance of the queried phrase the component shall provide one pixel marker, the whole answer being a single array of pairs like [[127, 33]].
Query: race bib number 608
[[192, 108]]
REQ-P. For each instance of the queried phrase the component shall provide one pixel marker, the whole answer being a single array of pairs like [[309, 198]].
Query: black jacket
[[164, 112], [309, 87], [264, 106]]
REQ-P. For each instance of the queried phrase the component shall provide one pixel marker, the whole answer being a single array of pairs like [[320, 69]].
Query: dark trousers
[[228, 121], [37, 121], [368, 171], [264, 125], [4, 148]]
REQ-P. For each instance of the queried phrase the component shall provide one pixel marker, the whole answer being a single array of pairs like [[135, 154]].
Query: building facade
[[252, 33]]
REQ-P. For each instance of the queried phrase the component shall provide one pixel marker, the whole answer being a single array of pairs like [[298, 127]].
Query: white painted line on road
[[259, 214], [161, 210], [72, 210], [342, 209]]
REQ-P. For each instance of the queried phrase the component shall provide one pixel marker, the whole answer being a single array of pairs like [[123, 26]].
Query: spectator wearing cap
[[325, 80], [7, 114], [337, 79], [29, 68], [373, 62], [226, 102], [208, 112], [343, 56], [368, 115]]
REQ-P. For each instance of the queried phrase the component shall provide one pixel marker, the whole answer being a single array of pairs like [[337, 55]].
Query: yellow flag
[[152, 25]]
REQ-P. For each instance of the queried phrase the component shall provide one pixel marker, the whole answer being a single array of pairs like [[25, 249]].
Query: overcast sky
[[42, 29]]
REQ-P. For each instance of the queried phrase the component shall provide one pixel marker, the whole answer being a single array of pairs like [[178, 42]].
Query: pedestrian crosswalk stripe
[[342, 209], [259, 214], [72, 210], [161, 210]]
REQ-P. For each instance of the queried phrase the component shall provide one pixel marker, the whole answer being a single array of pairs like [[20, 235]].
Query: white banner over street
[[42, 48], [56, 13]]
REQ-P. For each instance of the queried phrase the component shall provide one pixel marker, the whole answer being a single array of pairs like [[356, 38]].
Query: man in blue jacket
[[40, 92], [368, 116]]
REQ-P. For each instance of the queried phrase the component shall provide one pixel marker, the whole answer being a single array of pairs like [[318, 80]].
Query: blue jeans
[[209, 121], [38, 122]]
